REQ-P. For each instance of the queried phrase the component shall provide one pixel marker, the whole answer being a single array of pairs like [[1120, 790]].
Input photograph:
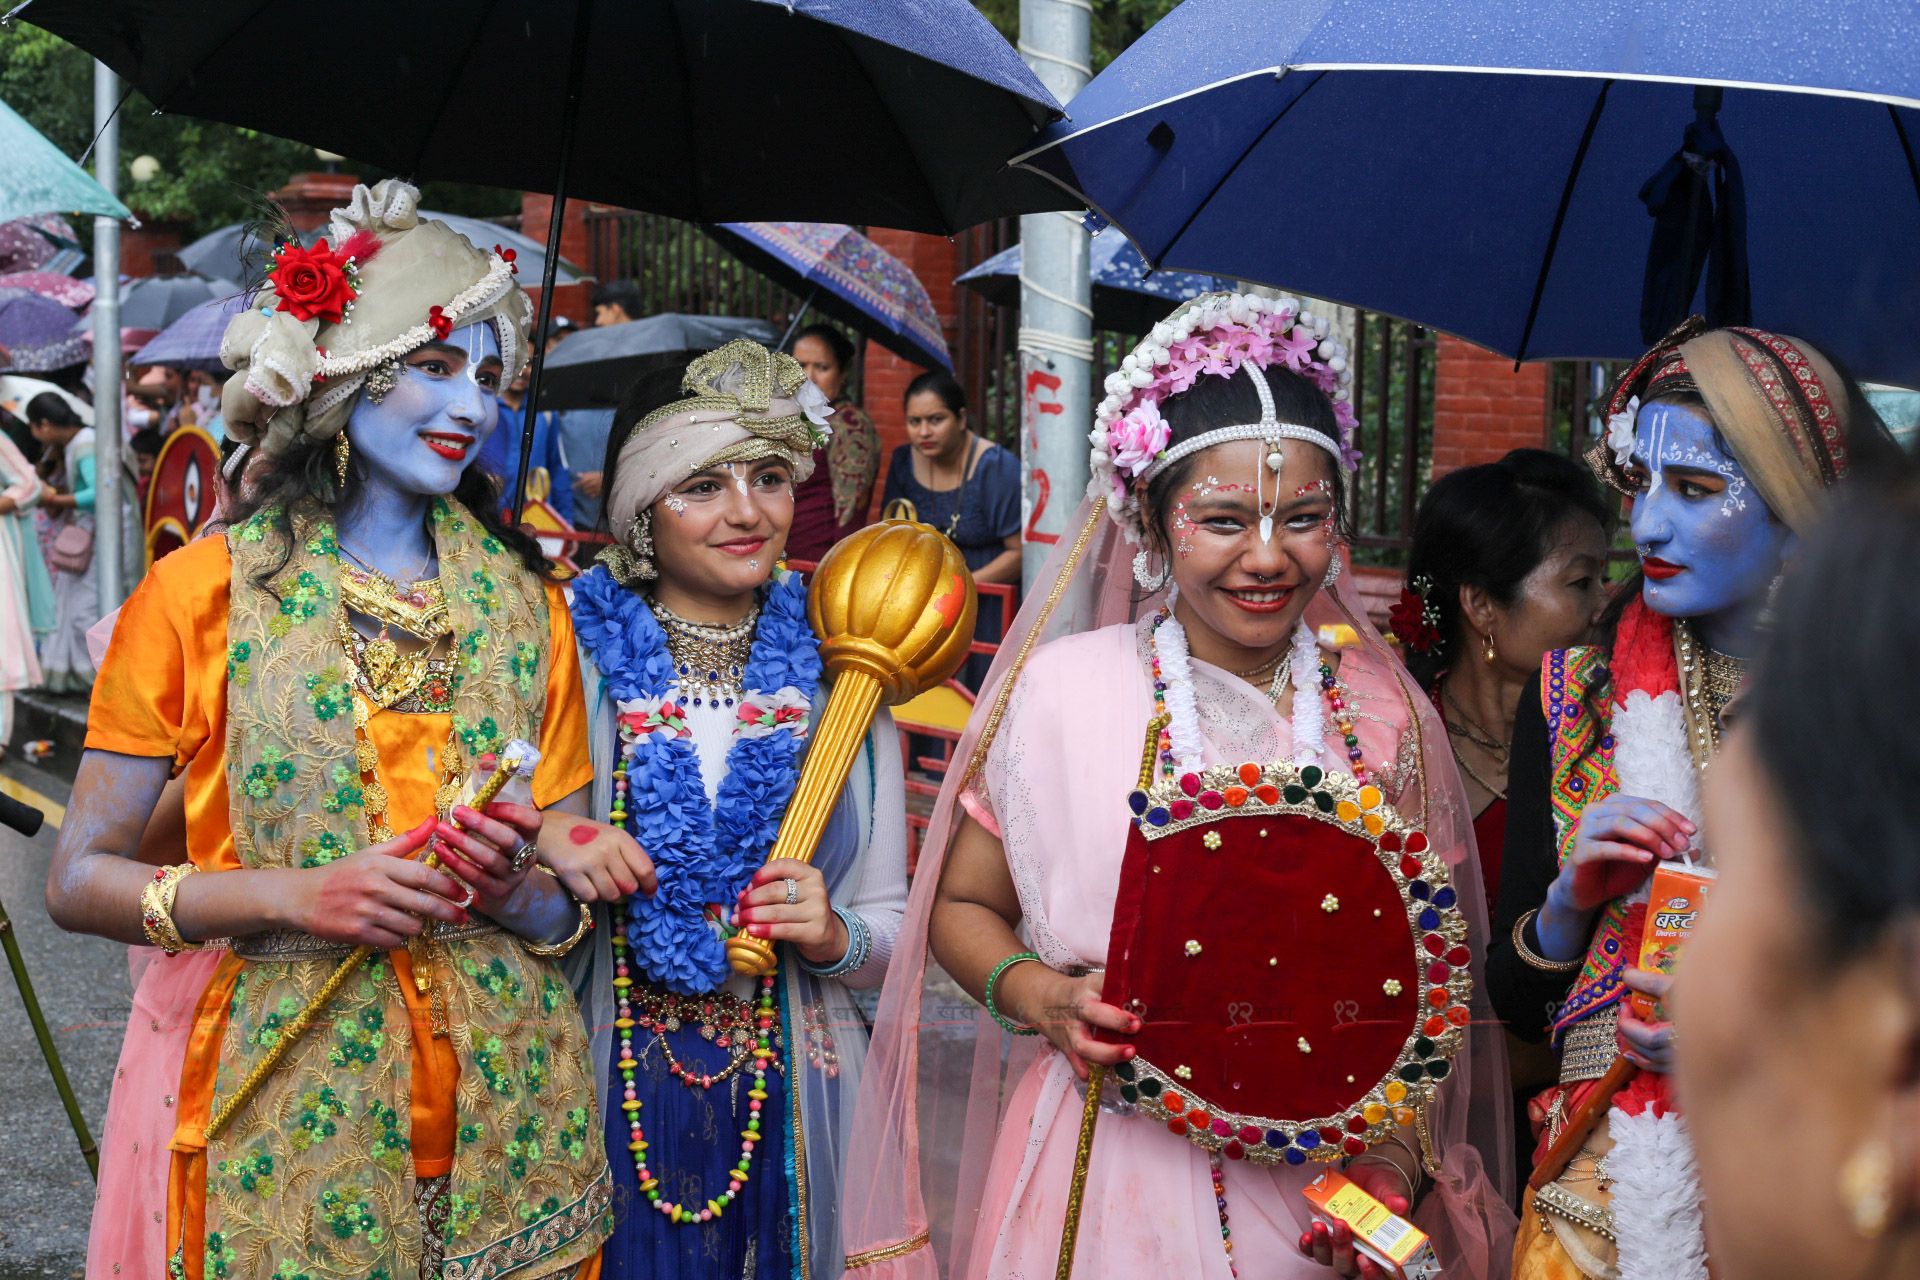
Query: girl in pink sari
[[1241, 639]]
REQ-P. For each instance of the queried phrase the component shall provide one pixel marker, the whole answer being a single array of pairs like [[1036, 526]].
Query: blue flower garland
[[703, 853]]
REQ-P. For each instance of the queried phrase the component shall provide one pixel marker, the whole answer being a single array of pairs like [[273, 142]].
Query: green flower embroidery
[[346, 791], [238, 655], [471, 1133], [488, 1056], [220, 1256], [322, 543], [357, 1041], [253, 1172], [491, 545], [573, 1138], [269, 1033], [482, 599], [329, 693], [477, 739], [289, 1270], [463, 1212], [266, 776], [539, 1072], [551, 993], [525, 1147], [301, 603], [319, 1109], [318, 851], [496, 978], [545, 1209], [390, 1142], [348, 1217], [526, 658]]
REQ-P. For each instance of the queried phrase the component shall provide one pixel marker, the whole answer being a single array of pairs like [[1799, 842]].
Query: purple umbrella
[[64, 290], [31, 244], [847, 276], [193, 341], [38, 332]]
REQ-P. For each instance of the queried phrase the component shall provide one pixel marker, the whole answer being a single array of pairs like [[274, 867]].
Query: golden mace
[[894, 608], [508, 766]]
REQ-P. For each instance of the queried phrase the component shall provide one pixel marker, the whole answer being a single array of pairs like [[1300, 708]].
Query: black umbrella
[[895, 113], [592, 369]]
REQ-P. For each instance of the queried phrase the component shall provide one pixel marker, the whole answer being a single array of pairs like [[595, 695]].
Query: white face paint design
[[675, 503], [738, 471], [1671, 447]]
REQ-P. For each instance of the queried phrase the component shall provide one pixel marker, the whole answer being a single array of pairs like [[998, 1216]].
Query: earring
[[640, 540], [1143, 571], [1333, 573], [380, 380], [1492, 653], [1866, 1187], [342, 450]]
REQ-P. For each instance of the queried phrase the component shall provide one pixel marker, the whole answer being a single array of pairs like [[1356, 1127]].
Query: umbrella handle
[[793, 325], [570, 116]]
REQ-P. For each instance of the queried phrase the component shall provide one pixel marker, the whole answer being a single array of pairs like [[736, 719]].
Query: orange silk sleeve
[[565, 764]]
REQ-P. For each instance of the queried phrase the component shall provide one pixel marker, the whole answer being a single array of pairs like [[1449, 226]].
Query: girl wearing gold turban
[[729, 1098]]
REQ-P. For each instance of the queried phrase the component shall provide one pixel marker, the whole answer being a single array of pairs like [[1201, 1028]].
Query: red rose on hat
[[312, 283]]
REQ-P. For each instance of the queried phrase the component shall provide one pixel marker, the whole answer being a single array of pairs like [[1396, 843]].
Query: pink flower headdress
[[1214, 334]]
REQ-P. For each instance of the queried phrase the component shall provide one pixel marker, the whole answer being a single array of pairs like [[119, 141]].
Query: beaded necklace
[[741, 1036]]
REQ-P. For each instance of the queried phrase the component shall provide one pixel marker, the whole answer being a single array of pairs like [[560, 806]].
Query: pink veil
[[940, 1072]]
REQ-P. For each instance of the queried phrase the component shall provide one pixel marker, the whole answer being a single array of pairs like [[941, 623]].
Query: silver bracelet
[[859, 947]]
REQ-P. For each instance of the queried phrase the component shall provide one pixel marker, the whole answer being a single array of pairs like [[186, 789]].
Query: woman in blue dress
[[729, 1098]]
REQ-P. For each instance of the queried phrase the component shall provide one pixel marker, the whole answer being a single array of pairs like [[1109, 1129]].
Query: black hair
[[942, 384], [51, 407], [148, 441], [1213, 402], [655, 389], [1489, 527], [305, 473], [837, 342], [623, 294], [1842, 654]]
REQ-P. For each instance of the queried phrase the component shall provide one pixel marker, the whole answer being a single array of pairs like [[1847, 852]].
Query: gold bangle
[[554, 950], [1533, 958], [156, 910]]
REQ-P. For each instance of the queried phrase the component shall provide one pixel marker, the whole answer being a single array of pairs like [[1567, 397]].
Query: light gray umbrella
[[594, 368]]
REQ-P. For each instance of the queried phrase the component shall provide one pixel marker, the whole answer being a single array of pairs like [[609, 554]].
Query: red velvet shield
[[181, 494], [1261, 969]]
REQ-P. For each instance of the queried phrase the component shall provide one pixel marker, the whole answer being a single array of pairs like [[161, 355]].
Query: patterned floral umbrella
[[1125, 298], [43, 242], [38, 332], [193, 341], [844, 275], [64, 290]]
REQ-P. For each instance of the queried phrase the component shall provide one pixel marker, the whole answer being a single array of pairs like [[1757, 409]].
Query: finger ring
[[521, 857], [468, 900], [793, 891]]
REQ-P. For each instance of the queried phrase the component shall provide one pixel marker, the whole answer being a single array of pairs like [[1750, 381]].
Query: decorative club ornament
[[894, 606]]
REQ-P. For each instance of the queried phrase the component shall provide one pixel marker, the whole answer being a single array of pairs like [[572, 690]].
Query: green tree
[[210, 174]]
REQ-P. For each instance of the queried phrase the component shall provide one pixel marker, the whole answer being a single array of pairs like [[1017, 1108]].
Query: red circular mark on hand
[[583, 833]]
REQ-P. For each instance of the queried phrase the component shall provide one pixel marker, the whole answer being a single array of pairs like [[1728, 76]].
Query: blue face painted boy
[[1708, 545], [439, 412]]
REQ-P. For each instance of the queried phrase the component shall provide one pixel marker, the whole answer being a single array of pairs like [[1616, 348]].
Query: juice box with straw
[[1395, 1245], [1678, 891]]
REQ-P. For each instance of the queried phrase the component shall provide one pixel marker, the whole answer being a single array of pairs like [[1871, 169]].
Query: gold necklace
[[1470, 729], [419, 608], [709, 658], [1708, 682]]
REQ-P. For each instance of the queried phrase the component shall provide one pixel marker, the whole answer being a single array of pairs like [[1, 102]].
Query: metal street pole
[[108, 554], [1056, 311]]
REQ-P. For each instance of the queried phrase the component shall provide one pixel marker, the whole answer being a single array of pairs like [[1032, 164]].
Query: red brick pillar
[[309, 197], [536, 215], [932, 258], [1482, 407]]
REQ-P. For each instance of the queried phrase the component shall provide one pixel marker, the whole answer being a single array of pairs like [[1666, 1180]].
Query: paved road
[[46, 1194]]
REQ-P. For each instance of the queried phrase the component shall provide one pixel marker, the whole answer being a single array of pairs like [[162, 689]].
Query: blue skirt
[[693, 1139]]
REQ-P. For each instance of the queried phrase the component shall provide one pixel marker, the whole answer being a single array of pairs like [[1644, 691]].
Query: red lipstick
[[447, 445], [743, 546], [1660, 570], [1260, 606]]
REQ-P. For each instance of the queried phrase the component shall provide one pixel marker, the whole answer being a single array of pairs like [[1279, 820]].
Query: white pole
[[108, 554], [1056, 313]]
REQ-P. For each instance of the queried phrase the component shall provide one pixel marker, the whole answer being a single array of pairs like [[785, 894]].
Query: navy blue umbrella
[[1126, 297], [1514, 174]]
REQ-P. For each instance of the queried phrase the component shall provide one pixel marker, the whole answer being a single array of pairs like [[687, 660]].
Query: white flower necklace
[[1181, 743]]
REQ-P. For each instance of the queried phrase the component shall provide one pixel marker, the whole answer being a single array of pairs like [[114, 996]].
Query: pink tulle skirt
[[1149, 1208], [128, 1237]]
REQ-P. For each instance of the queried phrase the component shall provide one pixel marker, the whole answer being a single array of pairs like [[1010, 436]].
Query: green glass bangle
[[1002, 967]]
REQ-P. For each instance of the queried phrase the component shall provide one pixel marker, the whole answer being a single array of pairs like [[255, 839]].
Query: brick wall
[[536, 214], [1482, 408], [932, 258]]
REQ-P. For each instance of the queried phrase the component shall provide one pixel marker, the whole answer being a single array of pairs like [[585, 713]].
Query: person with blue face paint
[[1725, 441], [366, 642]]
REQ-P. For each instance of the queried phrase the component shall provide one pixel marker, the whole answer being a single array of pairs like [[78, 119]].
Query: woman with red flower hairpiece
[[1727, 441], [326, 677]]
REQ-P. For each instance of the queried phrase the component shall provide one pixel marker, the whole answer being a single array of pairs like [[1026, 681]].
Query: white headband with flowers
[[1214, 334]]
